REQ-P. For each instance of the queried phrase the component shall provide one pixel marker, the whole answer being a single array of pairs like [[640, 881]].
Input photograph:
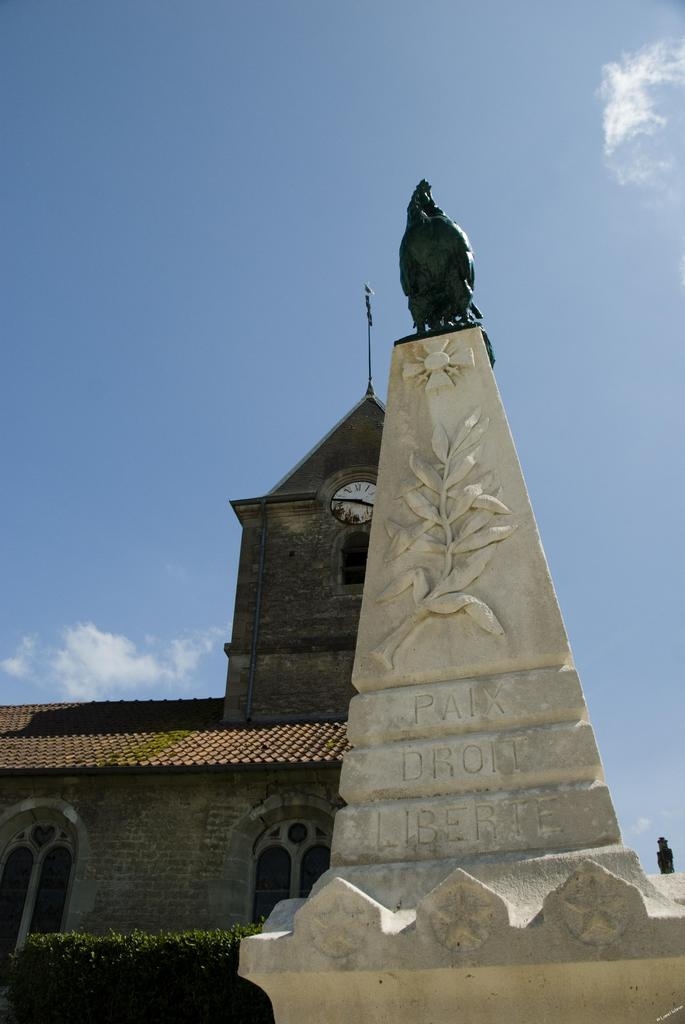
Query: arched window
[[289, 859], [353, 555], [34, 880]]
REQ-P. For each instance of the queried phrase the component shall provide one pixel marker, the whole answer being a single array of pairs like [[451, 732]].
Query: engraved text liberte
[[467, 821]]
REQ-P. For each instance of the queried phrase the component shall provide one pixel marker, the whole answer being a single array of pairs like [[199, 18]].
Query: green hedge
[[185, 978]]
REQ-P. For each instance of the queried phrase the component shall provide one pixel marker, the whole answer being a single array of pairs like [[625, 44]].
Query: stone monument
[[478, 873]]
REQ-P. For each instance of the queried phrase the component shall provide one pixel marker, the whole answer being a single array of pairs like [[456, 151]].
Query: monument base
[[610, 993], [575, 937]]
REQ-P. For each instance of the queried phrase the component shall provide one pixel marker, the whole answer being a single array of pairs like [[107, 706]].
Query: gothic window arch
[[288, 859], [35, 873]]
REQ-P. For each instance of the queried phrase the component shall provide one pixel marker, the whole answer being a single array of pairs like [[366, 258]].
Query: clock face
[[353, 503]]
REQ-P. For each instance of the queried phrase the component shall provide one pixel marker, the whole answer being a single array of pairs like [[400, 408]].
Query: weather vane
[[368, 292]]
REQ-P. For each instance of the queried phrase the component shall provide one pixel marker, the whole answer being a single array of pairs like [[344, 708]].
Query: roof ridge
[[110, 703], [319, 444]]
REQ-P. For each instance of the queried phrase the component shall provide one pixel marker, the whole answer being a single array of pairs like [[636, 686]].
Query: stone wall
[[161, 851]]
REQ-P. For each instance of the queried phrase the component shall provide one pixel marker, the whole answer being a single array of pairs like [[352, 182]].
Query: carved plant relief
[[456, 520]]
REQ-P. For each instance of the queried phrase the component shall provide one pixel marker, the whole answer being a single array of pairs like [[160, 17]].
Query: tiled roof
[[155, 734]]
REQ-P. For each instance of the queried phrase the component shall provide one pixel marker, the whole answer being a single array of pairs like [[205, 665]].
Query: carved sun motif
[[594, 911], [443, 363], [465, 923], [335, 931]]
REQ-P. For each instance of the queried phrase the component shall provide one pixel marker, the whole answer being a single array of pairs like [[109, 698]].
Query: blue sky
[[192, 197]]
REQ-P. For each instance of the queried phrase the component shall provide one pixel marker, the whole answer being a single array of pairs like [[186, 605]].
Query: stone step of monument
[[478, 762], [545, 819], [515, 699], [520, 877]]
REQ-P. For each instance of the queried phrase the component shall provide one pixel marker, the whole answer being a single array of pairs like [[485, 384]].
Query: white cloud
[[639, 113], [92, 660], [20, 665], [92, 664], [640, 826], [186, 653]]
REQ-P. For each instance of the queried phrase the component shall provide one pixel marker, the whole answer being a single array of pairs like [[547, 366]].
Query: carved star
[[333, 931], [466, 923], [594, 912], [442, 365]]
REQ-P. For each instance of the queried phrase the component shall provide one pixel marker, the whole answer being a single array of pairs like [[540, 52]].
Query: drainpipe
[[257, 611], [227, 652]]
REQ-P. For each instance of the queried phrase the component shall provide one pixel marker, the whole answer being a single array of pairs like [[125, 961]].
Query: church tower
[[300, 579]]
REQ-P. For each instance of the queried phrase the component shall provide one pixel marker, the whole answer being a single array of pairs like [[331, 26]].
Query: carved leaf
[[392, 527], [400, 542], [463, 466], [467, 570], [464, 498], [404, 537], [488, 535], [473, 438], [425, 473], [446, 604], [429, 545], [465, 429], [398, 585], [474, 521], [420, 504], [475, 435], [484, 616], [408, 484], [489, 482], [418, 529], [491, 504], [415, 578], [440, 443], [421, 585]]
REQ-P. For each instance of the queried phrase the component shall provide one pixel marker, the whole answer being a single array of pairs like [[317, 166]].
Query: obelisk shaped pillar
[[476, 873], [471, 732]]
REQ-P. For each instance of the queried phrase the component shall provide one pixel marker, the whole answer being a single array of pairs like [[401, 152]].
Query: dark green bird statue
[[436, 267]]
